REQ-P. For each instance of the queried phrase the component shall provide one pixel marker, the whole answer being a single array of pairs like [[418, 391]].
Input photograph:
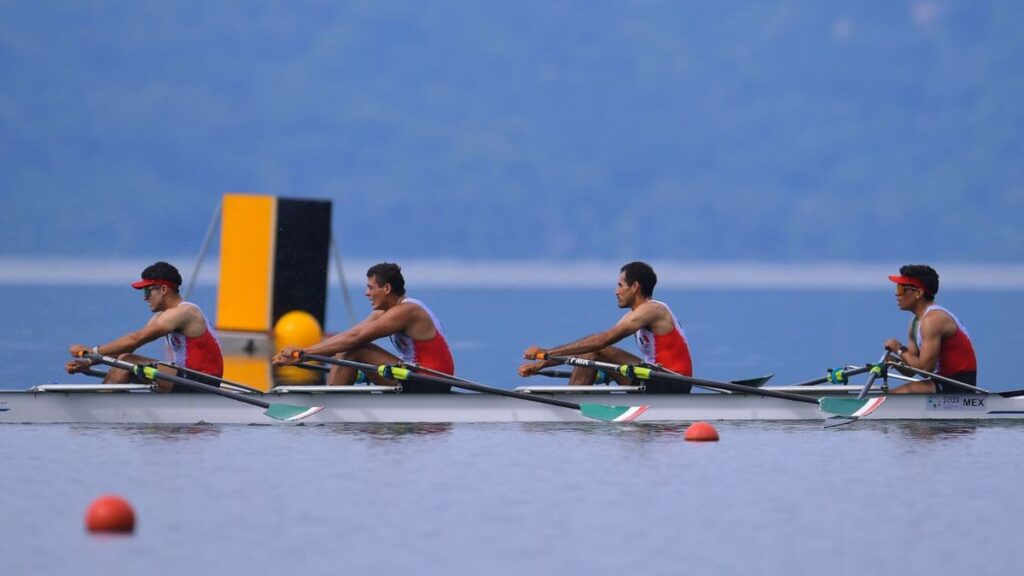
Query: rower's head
[[160, 284], [915, 282], [636, 282], [385, 285]]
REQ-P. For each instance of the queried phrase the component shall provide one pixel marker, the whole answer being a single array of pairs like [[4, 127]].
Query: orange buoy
[[110, 513], [701, 432]]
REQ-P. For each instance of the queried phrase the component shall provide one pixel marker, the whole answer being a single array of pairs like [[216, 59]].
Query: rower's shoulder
[[656, 307]]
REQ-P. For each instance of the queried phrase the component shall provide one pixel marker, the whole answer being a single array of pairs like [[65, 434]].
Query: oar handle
[[152, 373], [644, 373]]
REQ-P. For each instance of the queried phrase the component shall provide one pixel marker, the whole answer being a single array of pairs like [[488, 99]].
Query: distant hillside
[[678, 130]]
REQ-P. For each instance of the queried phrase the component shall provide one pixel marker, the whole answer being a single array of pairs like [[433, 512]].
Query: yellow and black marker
[[273, 260]]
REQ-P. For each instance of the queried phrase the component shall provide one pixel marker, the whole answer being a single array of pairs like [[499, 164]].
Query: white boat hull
[[32, 407]]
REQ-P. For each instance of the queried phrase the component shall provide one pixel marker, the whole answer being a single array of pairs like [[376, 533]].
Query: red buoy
[[110, 513], [701, 432]]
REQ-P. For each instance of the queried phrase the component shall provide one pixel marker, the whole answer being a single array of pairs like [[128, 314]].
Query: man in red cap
[[190, 338], [937, 341]]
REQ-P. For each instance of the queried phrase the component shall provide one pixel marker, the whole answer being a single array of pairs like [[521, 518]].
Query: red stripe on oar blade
[[870, 407], [632, 414]]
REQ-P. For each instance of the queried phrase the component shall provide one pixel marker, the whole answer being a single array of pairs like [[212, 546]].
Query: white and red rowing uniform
[[434, 353], [956, 354], [669, 350], [201, 353]]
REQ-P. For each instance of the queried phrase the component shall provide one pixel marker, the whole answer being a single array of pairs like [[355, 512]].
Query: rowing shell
[[134, 404]]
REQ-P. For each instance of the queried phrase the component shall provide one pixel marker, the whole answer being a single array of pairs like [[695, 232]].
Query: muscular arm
[[631, 322], [377, 325], [927, 357], [628, 324], [159, 325]]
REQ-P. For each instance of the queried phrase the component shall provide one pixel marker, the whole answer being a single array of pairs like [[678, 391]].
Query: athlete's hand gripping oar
[[595, 411], [286, 412], [644, 373]]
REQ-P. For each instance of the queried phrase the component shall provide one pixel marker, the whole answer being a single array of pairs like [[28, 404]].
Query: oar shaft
[[209, 377], [824, 379], [874, 375], [647, 374], [942, 379], [184, 382], [447, 381], [313, 367]]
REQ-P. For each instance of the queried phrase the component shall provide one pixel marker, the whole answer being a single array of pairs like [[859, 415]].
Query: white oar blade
[[290, 413], [612, 413]]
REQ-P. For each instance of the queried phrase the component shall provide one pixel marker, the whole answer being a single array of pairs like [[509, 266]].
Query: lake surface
[[769, 498]]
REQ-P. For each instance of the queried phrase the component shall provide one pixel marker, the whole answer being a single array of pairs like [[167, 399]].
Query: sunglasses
[[902, 289], [149, 290]]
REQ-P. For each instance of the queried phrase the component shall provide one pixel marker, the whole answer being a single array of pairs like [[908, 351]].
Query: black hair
[[388, 273], [926, 274], [643, 273], [163, 271]]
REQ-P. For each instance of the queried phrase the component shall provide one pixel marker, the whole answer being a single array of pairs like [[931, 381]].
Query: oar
[[602, 377], [846, 410], [286, 412], [92, 372], [837, 376], [943, 379], [197, 375], [644, 373], [596, 411], [313, 367]]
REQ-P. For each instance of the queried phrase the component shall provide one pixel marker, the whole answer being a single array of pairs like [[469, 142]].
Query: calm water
[[516, 499], [770, 498]]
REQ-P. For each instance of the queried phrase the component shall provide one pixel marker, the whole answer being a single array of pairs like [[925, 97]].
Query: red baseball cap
[[909, 281], [146, 282]]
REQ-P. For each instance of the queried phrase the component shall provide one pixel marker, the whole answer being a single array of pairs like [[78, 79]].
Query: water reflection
[[170, 432], [387, 431], [932, 431]]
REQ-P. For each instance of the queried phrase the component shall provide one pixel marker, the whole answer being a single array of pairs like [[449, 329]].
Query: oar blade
[[607, 413], [754, 382], [850, 407], [290, 413]]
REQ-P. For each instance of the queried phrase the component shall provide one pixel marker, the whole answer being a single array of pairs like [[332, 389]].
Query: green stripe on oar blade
[[291, 413], [612, 413], [852, 407]]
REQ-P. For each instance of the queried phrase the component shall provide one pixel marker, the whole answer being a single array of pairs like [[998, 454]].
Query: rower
[[191, 340], [414, 330], [659, 336], [937, 341]]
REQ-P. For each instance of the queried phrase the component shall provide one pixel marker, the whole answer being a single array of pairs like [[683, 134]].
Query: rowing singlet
[[200, 353], [669, 350], [957, 353], [433, 353]]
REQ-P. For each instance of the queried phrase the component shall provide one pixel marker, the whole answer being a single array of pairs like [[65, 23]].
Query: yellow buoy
[[297, 328]]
